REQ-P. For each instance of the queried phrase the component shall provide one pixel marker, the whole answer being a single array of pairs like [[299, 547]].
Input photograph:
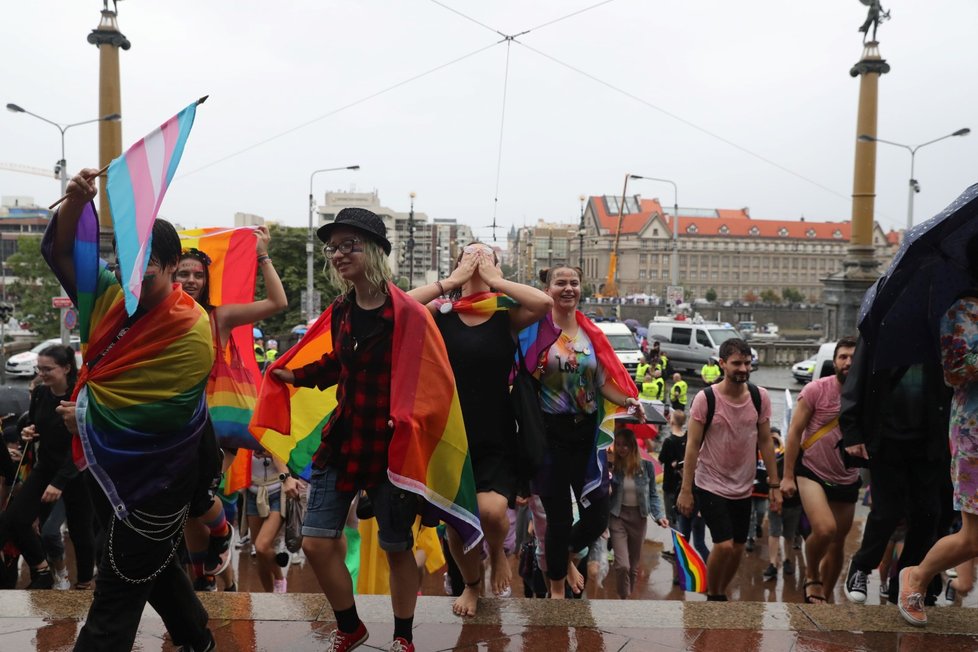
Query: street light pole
[[913, 185], [311, 242], [674, 259], [581, 230], [62, 169], [410, 243]]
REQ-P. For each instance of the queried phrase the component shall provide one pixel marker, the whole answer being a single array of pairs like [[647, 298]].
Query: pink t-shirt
[[823, 458], [727, 462]]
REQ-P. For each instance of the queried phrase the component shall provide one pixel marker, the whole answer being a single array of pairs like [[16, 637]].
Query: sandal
[[812, 598]]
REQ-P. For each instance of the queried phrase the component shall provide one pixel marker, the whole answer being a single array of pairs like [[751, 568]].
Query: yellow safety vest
[[640, 372], [678, 392], [710, 373], [653, 390]]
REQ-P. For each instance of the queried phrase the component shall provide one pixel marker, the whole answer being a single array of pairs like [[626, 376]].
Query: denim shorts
[[394, 508], [274, 502]]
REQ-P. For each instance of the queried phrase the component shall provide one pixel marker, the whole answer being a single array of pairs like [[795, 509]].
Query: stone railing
[[782, 353]]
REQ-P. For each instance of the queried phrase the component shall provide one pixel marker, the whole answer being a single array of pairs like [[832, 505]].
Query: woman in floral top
[[959, 348]]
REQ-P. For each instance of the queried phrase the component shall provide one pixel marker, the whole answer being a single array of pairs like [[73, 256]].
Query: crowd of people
[[164, 527]]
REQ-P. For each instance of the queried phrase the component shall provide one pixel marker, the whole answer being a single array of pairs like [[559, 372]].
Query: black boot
[[41, 579]]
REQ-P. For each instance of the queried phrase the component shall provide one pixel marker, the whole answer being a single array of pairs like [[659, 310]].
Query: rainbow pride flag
[[140, 397], [690, 568], [137, 182], [483, 303], [428, 453]]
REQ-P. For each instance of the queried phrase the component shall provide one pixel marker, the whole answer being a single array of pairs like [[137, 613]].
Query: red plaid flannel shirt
[[356, 437]]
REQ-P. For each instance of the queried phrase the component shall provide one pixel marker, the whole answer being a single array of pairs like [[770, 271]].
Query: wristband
[[263, 258], [441, 288], [774, 486]]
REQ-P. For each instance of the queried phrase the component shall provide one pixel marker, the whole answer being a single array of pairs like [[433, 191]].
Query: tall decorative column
[[108, 39], [844, 290]]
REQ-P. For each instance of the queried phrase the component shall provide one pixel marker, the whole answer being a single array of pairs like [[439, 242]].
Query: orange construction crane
[[610, 288]]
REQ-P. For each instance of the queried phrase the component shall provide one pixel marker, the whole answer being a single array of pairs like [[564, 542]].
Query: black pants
[[26, 507], [118, 602], [905, 485], [570, 448]]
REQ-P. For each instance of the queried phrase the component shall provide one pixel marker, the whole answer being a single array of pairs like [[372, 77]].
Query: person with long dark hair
[[579, 373], [53, 477], [208, 533], [479, 323]]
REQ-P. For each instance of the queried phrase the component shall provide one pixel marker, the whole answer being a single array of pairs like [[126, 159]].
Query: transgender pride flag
[[137, 183]]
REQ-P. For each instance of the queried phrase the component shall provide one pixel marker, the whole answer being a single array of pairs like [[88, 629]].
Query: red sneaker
[[401, 645], [342, 642], [911, 604]]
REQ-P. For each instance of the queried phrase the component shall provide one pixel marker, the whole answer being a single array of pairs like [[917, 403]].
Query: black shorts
[[727, 518], [834, 493], [209, 462]]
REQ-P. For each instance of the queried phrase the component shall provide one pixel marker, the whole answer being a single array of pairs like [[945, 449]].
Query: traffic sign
[[71, 318], [61, 302]]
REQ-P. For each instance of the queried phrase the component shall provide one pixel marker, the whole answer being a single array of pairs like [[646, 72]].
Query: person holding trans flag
[[479, 323], [140, 422]]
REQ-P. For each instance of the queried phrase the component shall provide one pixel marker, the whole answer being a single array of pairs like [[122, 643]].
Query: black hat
[[362, 220]]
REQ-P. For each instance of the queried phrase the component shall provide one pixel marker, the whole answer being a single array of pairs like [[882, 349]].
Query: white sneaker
[[61, 582], [280, 586], [951, 572]]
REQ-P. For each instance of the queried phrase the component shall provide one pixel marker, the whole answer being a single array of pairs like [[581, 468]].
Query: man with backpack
[[729, 423]]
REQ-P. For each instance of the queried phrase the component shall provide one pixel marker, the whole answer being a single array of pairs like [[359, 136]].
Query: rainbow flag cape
[[140, 378], [483, 303], [231, 279], [428, 453], [137, 182], [690, 568], [537, 338]]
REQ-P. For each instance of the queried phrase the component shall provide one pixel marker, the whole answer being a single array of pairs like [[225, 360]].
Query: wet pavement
[[762, 615]]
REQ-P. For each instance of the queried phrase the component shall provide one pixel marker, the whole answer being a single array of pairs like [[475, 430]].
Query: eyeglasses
[[346, 247], [44, 370]]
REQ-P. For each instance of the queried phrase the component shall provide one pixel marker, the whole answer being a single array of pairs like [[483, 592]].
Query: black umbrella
[[901, 313]]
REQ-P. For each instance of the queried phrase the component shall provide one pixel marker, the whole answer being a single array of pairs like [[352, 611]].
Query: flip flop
[[813, 598]]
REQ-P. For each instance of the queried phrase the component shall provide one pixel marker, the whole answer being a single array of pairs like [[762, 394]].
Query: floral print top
[[959, 352]]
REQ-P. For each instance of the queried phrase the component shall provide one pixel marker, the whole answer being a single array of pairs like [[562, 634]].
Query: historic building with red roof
[[723, 249]]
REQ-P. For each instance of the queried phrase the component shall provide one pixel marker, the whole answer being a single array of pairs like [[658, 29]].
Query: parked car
[[21, 365], [802, 371]]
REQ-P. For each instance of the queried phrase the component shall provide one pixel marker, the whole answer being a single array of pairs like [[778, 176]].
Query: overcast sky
[[740, 103]]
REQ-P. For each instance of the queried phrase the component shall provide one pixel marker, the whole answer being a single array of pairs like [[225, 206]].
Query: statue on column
[[875, 16]]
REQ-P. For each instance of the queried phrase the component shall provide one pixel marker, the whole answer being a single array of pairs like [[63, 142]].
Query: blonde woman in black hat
[[353, 455]]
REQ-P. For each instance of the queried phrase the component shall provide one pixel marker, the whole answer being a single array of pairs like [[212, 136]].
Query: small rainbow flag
[[483, 303], [137, 182], [690, 568]]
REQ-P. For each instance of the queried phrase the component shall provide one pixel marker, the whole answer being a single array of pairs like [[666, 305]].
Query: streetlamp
[[411, 243], [581, 231], [914, 187], [674, 259], [61, 169], [310, 242]]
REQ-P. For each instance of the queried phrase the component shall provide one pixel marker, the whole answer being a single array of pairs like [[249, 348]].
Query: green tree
[[288, 251], [32, 291], [770, 296], [750, 297], [711, 295], [792, 295]]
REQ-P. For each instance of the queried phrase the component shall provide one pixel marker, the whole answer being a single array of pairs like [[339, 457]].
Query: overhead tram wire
[[686, 122], [502, 129], [340, 109], [570, 15]]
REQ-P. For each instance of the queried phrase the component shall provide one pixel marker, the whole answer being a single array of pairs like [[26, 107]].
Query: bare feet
[[501, 574], [465, 605], [574, 578]]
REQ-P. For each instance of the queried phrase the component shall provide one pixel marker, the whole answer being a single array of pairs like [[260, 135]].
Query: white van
[[623, 342], [824, 365], [689, 344]]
